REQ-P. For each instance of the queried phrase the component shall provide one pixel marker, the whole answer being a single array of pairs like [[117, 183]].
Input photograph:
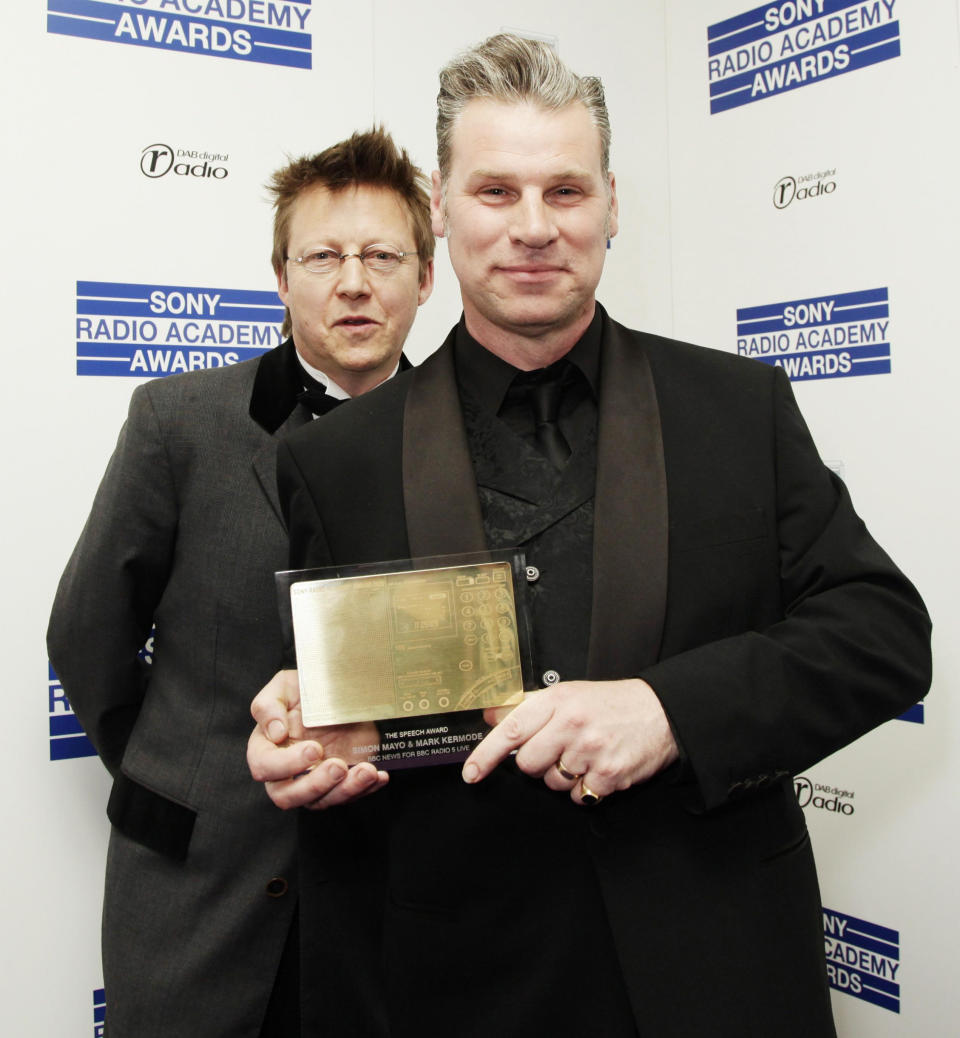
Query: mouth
[[531, 272], [356, 322]]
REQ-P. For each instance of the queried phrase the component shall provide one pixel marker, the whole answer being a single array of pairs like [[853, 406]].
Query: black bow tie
[[317, 400]]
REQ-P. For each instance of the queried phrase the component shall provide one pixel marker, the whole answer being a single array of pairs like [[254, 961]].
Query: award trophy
[[409, 653]]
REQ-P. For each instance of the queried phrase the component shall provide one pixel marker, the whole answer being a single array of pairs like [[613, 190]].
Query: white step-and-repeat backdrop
[[786, 178]]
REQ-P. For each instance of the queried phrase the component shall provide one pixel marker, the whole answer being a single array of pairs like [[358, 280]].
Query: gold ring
[[587, 795], [565, 772]]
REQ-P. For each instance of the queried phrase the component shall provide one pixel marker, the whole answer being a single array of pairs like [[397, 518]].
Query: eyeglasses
[[381, 259]]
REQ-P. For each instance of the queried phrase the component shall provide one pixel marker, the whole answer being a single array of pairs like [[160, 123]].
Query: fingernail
[[276, 731], [470, 772], [311, 752], [337, 772]]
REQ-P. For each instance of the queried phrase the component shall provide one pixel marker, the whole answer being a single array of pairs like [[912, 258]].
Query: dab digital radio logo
[[272, 32], [863, 959], [148, 330], [804, 188], [833, 336], [788, 44], [157, 160], [67, 738], [823, 797]]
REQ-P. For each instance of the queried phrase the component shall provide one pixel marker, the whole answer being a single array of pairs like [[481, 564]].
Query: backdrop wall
[[784, 175]]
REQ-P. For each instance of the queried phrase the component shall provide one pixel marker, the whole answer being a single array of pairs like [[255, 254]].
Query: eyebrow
[[565, 174], [333, 243]]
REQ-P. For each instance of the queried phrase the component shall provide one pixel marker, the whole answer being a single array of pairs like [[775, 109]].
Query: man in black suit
[[186, 532], [710, 617]]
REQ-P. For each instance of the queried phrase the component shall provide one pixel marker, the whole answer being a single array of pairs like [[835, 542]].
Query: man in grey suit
[[185, 534]]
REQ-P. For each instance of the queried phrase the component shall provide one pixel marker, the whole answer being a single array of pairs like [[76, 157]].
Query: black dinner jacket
[[732, 573]]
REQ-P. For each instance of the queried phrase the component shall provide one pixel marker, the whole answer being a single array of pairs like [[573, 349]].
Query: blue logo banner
[[148, 330], [99, 1012], [863, 959], [67, 738], [831, 336], [783, 46], [271, 32]]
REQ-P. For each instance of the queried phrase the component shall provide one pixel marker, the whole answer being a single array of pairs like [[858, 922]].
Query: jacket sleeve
[[849, 649], [106, 600]]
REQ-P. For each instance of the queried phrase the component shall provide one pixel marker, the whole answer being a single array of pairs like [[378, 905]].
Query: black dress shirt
[[526, 502]]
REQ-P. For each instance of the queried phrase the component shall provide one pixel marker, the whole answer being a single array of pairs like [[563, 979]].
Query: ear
[[614, 219], [426, 285], [282, 290], [436, 204]]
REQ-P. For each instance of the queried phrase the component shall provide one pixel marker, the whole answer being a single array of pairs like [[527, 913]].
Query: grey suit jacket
[[186, 532]]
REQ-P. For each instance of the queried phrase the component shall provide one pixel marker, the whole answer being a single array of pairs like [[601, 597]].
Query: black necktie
[[544, 391], [317, 400]]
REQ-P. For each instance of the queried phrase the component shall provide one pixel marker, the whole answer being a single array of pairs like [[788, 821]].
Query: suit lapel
[[265, 458], [274, 409], [275, 387], [439, 489], [630, 533], [630, 525]]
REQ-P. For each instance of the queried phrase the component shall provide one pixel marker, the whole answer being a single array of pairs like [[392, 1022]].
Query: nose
[[533, 222], [352, 277]]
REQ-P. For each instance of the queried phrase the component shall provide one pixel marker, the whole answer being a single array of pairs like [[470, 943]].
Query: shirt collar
[[332, 388], [487, 377]]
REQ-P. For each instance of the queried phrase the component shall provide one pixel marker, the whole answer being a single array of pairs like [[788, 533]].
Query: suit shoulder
[[690, 368], [356, 446], [214, 398], [358, 423], [667, 353], [202, 383]]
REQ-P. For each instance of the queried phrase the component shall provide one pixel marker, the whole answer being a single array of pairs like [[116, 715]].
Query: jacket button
[[277, 887], [533, 574], [550, 677]]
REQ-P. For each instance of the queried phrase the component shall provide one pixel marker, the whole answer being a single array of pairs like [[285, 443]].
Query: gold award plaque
[[405, 644]]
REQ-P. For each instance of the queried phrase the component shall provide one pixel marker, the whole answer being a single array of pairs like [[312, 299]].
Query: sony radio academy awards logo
[[67, 738], [99, 1012], [784, 45], [157, 160], [832, 336], [272, 32], [147, 330], [863, 959]]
